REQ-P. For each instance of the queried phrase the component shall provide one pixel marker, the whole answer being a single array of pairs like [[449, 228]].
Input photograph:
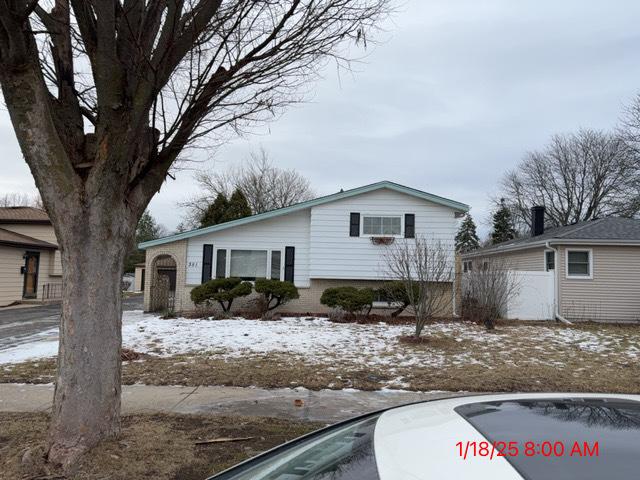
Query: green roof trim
[[461, 207]]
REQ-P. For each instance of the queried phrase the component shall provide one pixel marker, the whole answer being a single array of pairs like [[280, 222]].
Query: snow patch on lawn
[[316, 340]]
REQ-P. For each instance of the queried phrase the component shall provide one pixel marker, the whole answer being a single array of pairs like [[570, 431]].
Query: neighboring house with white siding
[[593, 267], [30, 264], [315, 244]]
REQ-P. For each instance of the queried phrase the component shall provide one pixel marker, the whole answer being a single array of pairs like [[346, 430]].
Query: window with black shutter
[[207, 261], [289, 261], [354, 225], [409, 225]]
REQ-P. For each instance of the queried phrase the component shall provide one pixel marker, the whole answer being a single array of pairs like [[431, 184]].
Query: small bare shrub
[[426, 269], [488, 291]]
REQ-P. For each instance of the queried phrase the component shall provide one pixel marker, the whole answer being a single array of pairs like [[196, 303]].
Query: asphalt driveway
[[20, 324]]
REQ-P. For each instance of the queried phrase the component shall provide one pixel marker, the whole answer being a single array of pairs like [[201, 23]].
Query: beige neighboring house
[[30, 265], [592, 269]]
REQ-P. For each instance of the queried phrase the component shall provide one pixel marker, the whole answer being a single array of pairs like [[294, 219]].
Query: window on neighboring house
[[578, 263], [276, 256], [550, 260], [248, 264], [381, 225], [485, 265], [467, 266], [221, 264]]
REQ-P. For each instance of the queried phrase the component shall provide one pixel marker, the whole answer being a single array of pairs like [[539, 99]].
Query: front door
[[30, 269]]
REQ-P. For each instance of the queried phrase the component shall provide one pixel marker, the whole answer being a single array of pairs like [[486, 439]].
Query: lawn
[[316, 353], [173, 453]]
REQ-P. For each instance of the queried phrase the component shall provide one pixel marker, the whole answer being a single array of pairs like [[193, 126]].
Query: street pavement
[[19, 324]]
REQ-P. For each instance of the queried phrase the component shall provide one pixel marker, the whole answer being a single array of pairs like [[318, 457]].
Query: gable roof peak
[[342, 194]]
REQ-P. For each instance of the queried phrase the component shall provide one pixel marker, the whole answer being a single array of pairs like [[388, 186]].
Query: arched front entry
[[163, 283]]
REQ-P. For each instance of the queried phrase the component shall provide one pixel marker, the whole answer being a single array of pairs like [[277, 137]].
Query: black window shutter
[[409, 225], [207, 261], [354, 225], [289, 261]]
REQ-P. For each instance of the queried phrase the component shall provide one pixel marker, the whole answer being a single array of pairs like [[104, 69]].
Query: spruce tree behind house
[[503, 225], [467, 236], [215, 212], [238, 206]]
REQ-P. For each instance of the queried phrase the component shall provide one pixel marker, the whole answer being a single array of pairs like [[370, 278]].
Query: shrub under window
[[222, 290]]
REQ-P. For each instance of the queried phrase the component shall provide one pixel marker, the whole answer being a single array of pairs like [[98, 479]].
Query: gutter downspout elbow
[[556, 286]]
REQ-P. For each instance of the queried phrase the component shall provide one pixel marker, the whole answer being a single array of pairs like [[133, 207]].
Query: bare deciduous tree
[[15, 199], [265, 186], [577, 177], [488, 290], [426, 268], [104, 97]]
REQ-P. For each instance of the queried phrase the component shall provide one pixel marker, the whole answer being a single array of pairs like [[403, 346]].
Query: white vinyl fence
[[535, 296], [535, 299]]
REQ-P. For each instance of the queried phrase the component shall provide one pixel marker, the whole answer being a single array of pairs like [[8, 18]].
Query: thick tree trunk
[[87, 395]]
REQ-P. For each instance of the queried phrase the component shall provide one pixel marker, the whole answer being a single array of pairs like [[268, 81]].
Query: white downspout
[[556, 284]]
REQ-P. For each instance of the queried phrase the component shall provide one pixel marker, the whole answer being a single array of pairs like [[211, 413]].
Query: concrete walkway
[[324, 406]]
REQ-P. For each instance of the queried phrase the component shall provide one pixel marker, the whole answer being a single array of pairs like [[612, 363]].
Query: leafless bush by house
[[487, 292], [426, 268]]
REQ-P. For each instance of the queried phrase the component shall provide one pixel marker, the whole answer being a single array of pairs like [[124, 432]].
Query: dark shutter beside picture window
[[289, 261], [409, 225], [354, 225], [221, 264], [207, 261]]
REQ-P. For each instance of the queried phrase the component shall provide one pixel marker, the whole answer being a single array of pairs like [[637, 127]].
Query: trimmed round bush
[[221, 290], [350, 299], [276, 292]]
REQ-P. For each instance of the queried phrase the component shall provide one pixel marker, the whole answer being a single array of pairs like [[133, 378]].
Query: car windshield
[[573, 438], [344, 453]]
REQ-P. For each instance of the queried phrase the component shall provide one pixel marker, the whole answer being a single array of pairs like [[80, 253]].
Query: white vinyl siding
[[335, 254], [272, 234]]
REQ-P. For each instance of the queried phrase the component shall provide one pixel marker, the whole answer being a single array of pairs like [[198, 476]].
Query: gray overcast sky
[[455, 95]]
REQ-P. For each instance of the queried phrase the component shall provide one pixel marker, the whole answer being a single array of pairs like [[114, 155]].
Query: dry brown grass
[[515, 357], [151, 446]]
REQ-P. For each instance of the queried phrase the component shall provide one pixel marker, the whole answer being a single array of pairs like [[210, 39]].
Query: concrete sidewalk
[[324, 406]]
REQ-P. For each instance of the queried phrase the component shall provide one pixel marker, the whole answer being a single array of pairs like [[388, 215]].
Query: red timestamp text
[[497, 449]]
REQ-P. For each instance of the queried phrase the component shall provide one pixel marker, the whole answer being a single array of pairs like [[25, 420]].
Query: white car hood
[[418, 442]]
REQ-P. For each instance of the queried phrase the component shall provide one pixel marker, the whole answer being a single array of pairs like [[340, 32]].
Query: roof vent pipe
[[537, 220]]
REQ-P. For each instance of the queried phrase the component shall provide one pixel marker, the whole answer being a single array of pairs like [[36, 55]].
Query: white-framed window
[[467, 266], [381, 225], [248, 264], [579, 263], [549, 260]]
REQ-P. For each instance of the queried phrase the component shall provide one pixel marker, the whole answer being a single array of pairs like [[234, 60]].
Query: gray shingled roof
[[603, 229], [23, 215]]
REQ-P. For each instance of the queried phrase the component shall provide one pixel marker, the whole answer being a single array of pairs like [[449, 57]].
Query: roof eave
[[550, 241], [35, 246]]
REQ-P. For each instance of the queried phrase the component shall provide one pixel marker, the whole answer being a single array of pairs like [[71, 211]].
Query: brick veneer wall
[[309, 301], [178, 251]]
